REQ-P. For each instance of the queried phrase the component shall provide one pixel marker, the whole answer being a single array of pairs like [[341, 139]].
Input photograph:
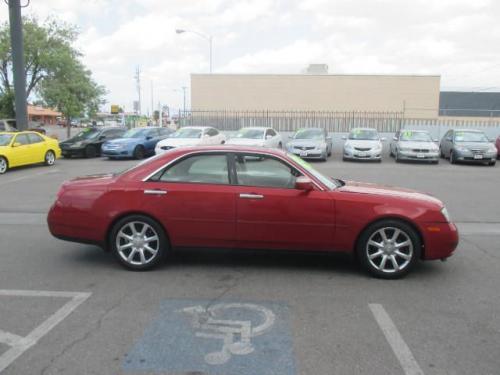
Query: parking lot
[[68, 308]]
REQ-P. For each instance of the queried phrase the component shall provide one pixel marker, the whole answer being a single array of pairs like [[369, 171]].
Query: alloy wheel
[[137, 243], [50, 158], [3, 166], [389, 250]]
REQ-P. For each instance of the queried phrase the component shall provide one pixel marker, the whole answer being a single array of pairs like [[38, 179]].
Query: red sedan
[[253, 198], [497, 144]]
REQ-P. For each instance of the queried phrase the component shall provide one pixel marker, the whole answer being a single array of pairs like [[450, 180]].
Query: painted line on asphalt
[[18, 344], [21, 178], [393, 337]]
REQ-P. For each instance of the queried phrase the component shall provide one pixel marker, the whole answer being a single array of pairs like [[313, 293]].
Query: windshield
[[409, 135], [364, 134], [86, 134], [309, 134], [325, 180], [136, 133], [5, 139], [470, 137], [187, 133], [250, 133]]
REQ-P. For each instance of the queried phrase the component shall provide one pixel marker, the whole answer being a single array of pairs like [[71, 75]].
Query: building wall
[[417, 96]]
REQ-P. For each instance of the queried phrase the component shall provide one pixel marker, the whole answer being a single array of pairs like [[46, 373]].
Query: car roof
[[363, 129], [228, 148]]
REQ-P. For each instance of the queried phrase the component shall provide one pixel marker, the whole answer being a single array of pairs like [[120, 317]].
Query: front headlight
[[446, 215], [348, 146], [492, 149], [405, 149], [77, 144], [461, 148]]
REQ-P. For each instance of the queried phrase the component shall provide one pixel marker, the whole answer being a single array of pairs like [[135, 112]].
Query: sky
[[456, 39]]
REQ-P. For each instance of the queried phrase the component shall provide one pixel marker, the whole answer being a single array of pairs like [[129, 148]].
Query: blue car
[[136, 143]]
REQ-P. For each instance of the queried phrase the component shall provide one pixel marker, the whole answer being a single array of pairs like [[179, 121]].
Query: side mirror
[[383, 139], [16, 144], [148, 138], [304, 183], [394, 138], [436, 140], [329, 138], [269, 136], [344, 137], [102, 137]]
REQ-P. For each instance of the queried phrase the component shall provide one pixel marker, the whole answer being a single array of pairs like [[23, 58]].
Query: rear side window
[[206, 169], [35, 138]]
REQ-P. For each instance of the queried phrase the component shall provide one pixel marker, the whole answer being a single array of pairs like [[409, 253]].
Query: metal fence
[[332, 121]]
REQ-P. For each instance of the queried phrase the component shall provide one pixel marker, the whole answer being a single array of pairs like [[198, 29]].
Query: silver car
[[468, 146], [363, 144], [311, 143], [414, 145]]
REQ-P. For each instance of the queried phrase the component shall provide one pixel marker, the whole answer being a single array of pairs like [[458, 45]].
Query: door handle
[[251, 196], [155, 192]]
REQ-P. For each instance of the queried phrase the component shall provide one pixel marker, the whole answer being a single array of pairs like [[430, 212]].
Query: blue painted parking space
[[230, 337]]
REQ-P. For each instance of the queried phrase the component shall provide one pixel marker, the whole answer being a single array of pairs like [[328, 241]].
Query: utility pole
[[138, 86], [16, 41]]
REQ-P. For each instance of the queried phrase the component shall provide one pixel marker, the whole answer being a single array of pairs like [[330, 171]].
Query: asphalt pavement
[[69, 308]]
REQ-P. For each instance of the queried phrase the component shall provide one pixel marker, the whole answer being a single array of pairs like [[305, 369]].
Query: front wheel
[[389, 249], [4, 165], [139, 152], [50, 158], [138, 242]]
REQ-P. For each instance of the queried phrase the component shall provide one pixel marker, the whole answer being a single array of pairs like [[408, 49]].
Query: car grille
[[362, 148], [420, 150], [304, 148]]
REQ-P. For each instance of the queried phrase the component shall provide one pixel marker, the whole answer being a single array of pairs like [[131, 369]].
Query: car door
[[446, 143], [194, 199], [152, 137], [271, 213], [21, 151], [38, 147]]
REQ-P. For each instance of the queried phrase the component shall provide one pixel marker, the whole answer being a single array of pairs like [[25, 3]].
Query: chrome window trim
[[145, 179]]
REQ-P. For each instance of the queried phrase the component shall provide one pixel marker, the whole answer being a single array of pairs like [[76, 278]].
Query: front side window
[[187, 133], [206, 169], [22, 139], [212, 132], [5, 139], [264, 171]]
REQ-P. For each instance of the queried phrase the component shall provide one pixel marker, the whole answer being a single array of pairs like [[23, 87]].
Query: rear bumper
[[440, 240]]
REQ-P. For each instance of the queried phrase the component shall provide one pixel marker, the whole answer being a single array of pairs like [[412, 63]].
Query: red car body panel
[[497, 145], [210, 215]]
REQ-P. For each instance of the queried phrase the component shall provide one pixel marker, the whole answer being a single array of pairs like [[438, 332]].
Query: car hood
[[124, 141], [306, 142], [362, 143], [419, 145], [245, 141], [388, 191], [475, 145], [175, 142]]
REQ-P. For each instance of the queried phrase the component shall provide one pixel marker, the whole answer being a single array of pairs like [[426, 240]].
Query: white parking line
[[20, 344], [29, 176], [393, 337]]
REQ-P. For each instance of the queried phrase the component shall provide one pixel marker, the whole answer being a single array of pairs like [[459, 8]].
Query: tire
[[280, 145], [452, 157], [396, 157], [223, 142], [50, 158], [4, 165], [142, 258], [387, 250], [90, 152], [492, 163], [139, 152]]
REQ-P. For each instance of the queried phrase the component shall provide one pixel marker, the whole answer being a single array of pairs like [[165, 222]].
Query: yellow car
[[23, 148]]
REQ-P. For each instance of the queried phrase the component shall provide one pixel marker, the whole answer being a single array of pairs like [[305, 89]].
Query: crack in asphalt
[[84, 337], [236, 280]]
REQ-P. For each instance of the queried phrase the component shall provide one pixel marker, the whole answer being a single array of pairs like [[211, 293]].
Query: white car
[[363, 144], [414, 145], [263, 137], [191, 136]]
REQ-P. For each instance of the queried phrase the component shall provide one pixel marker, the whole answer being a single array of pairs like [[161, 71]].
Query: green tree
[[72, 90], [48, 52]]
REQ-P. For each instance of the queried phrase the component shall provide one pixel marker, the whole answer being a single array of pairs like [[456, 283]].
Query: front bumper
[[362, 155], [470, 157], [73, 151], [440, 240], [410, 155], [116, 153], [309, 154]]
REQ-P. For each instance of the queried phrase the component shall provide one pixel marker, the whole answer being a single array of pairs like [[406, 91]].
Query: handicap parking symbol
[[243, 338]]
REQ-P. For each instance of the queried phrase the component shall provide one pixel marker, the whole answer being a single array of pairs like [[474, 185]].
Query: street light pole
[[16, 38], [207, 37]]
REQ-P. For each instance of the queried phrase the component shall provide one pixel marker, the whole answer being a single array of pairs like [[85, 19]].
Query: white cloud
[[454, 38]]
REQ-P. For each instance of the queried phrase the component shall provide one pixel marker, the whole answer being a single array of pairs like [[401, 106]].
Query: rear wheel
[[138, 242], [4, 165], [139, 152], [90, 152], [389, 249], [280, 146], [50, 158], [492, 163], [396, 157]]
